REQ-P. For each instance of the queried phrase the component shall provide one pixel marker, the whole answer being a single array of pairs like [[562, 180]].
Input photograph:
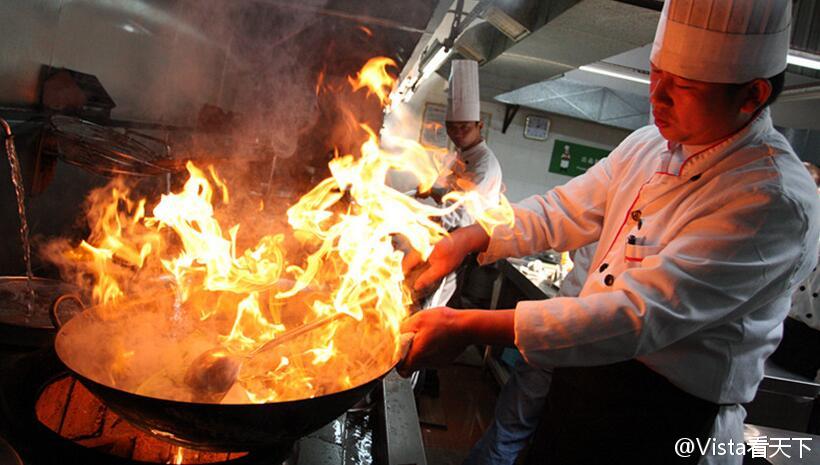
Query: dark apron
[[623, 413]]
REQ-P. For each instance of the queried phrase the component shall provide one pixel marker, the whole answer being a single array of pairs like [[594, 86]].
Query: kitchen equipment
[[105, 151], [37, 329], [196, 425], [40, 421], [8, 456], [213, 372]]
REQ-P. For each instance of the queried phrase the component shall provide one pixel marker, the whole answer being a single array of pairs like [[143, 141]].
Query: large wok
[[204, 426]]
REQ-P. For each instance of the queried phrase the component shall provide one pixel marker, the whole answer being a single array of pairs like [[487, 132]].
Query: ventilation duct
[[478, 43], [505, 23]]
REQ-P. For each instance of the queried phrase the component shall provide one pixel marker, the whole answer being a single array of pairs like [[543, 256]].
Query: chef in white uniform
[[475, 167], [706, 222], [799, 351]]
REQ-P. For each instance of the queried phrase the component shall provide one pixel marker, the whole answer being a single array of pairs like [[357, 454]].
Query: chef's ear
[[756, 95], [480, 125]]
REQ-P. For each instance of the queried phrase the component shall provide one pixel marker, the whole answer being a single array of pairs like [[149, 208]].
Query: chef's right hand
[[436, 339], [421, 275], [447, 255]]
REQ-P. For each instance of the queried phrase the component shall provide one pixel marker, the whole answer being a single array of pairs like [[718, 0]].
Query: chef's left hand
[[438, 339]]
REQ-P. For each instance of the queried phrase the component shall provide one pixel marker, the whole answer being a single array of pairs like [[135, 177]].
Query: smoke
[[268, 78], [277, 101]]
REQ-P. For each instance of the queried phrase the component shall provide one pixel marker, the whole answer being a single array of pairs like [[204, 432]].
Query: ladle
[[213, 372]]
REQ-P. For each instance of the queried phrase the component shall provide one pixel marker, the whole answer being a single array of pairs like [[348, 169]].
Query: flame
[[375, 78], [320, 81], [179, 455], [240, 298], [118, 241], [433, 126]]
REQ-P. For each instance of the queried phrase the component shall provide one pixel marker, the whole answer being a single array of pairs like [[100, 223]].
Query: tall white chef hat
[[723, 41], [462, 96]]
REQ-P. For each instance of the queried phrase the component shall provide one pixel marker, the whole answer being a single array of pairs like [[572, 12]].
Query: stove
[[50, 418]]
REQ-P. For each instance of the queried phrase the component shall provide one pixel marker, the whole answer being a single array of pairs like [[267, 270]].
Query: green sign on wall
[[571, 159]]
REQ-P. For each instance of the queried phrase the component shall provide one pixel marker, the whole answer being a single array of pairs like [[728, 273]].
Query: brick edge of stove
[[34, 442]]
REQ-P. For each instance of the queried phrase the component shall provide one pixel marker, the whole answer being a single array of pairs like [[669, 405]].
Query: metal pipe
[[30, 113], [144, 125], [359, 18], [804, 92], [20, 113], [6, 127]]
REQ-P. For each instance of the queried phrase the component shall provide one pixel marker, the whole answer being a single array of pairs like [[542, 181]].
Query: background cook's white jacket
[[480, 168], [700, 297]]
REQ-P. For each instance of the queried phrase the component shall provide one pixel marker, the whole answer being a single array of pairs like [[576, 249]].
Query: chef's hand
[[436, 192], [447, 255], [423, 276], [438, 339]]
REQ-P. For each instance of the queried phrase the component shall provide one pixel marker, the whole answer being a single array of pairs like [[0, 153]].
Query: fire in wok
[[176, 277]]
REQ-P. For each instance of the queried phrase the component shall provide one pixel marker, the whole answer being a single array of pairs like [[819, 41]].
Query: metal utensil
[[213, 372]]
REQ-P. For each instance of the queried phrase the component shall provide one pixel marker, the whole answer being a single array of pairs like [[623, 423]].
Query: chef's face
[[696, 112], [464, 134]]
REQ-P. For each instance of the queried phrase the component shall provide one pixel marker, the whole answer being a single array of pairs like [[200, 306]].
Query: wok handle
[[54, 311]]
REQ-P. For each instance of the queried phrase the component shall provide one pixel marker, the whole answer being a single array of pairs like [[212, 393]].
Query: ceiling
[[593, 97], [588, 31], [541, 71], [256, 42]]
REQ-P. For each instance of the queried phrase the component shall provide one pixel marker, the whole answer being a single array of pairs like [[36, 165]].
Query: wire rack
[[104, 150]]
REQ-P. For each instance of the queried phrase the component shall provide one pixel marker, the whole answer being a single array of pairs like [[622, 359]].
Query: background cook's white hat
[[723, 41], [462, 96]]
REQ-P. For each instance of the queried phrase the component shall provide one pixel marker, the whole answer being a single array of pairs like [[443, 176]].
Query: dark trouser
[[621, 413]]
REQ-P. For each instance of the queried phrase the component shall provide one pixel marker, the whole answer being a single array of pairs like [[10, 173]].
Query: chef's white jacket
[[806, 301], [699, 250], [581, 262], [476, 169]]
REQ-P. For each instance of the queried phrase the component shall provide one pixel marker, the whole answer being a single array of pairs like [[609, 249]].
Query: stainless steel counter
[[786, 400], [798, 448]]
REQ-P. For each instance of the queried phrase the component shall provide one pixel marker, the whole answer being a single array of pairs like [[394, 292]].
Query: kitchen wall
[[524, 162], [151, 56]]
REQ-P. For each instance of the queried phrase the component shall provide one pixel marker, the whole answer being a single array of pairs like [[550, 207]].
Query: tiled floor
[[455, 420]]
